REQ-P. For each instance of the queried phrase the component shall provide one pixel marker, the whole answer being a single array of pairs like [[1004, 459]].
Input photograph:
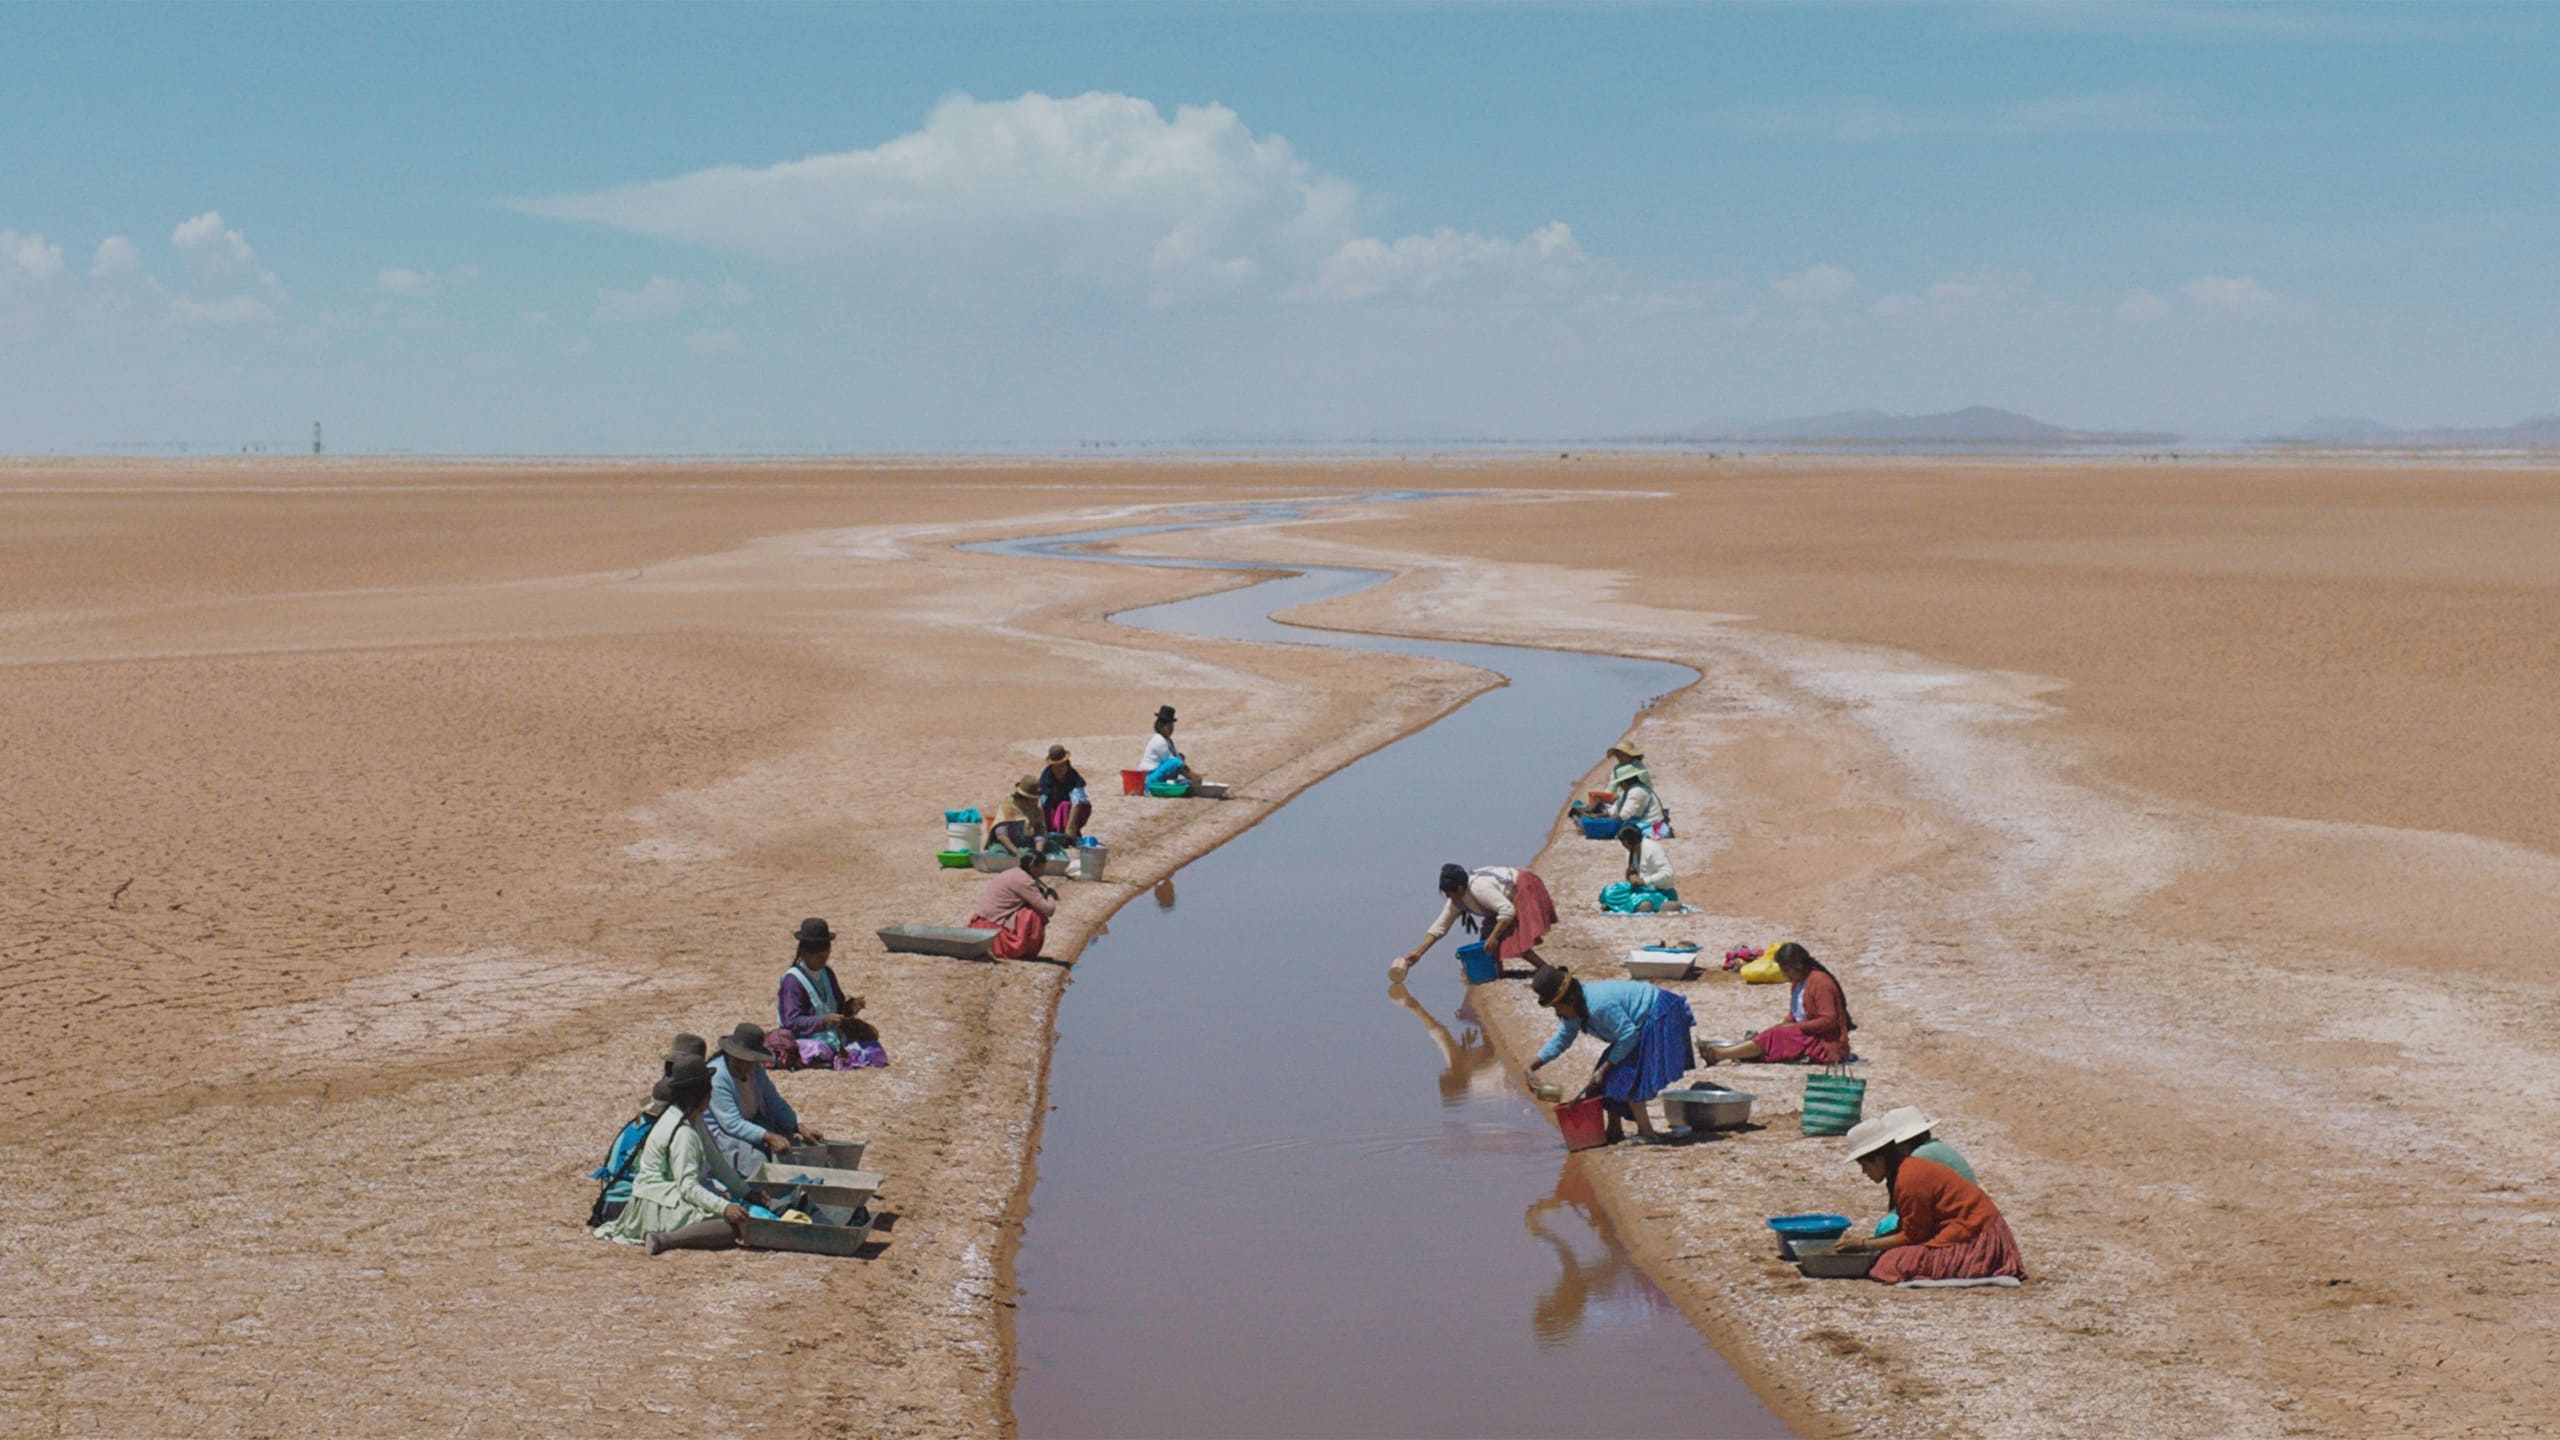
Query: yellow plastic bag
[[1763, 971]]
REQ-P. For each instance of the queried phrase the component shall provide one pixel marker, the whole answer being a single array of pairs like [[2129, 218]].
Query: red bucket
[[1133, 782], [1585, 1123]]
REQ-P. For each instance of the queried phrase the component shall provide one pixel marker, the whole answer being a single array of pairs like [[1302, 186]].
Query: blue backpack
[[615, 1172]]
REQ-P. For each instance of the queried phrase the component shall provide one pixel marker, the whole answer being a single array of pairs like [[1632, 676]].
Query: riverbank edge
[[1314, 766], [1699, 1305]]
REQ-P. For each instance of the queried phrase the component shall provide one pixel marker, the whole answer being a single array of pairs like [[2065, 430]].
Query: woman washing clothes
[[1645, 1027], [1915, 1134], [819, 1021], [1649, 888], [1817, 1025], [1636, 802], [1163, 763], [1510, 908], [1950, 1230], [673, 1205], [1017, 906], [1025, 828], [1064, 802]]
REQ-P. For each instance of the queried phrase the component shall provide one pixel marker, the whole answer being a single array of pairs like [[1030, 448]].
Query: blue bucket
[[1601, 827], [1481, 967]]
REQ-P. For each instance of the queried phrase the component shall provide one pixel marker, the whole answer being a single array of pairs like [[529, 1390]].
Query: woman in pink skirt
[[1817, 1027], [1510, 908]]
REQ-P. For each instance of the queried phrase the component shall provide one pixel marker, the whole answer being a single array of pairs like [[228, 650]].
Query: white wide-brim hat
[[1869, 1136], [1908, 1123]]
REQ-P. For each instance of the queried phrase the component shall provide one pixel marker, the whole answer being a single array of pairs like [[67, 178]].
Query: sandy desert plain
[[2184, 833]]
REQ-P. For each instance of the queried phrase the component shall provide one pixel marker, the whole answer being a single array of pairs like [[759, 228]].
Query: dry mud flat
[[371, 829], [2225, 958]]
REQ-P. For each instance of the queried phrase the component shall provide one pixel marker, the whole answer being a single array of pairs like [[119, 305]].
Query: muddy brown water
[[1278, 1196]]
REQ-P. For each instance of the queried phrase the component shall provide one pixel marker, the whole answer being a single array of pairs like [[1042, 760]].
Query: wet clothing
[[743, 1112], [1617, 1010], [1495, 893], [1940, 1151], [1818, 1028], [668, 1184], [1955, 1232]]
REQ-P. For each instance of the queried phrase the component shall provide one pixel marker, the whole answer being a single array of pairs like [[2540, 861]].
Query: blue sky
[[589, 229]]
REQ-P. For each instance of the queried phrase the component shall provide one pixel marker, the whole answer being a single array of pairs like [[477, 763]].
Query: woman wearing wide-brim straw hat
[[1950, 1230]]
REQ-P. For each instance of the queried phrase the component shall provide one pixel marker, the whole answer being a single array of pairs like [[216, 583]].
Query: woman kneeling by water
[[1511, 908], [1647, 1031], [672, 1205], [1649, 887], [1017, 907], [1818, 1023], [1950, 1230]]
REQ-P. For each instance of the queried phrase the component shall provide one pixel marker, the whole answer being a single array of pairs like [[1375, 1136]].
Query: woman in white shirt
[[1163, 763], [1648, 888], [1510, 908]]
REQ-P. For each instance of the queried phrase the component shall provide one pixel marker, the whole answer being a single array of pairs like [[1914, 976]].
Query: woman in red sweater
[[1950, 1230], [1818, 1023]]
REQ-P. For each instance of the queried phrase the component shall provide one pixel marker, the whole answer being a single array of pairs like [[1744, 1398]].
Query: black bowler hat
[[1164, 714], [814, 931]]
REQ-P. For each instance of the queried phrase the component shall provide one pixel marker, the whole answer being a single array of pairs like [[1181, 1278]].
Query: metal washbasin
[[832, 1230]]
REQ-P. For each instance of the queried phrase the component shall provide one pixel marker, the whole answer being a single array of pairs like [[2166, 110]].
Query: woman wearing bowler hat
[[748, 1118], [818, 1020], [672, 1205]]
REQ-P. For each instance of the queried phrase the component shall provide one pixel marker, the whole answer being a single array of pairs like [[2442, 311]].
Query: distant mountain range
[[2542, 432], [1974, 425]]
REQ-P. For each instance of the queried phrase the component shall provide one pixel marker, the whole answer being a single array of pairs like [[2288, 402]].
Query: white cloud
[[117, 258], [1859, 121], [1957, 295], [2138, 306], [1815, 285], [1101, 190], [2230, 294], [707, 343], [660, 296], [401, 280], [1366, 268], [229, 310], [28, 257], [209, 245]]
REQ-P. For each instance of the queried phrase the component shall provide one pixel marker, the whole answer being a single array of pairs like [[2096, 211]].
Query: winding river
[[1276, 1195]]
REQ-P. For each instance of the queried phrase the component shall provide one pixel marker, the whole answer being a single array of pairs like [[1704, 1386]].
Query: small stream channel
[[1277, 1196]]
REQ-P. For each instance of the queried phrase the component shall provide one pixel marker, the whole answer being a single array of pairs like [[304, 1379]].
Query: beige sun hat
[[1907, 1122], [1869, 1136]]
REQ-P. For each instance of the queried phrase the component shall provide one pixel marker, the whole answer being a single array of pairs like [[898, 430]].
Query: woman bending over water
[[1510, 908]]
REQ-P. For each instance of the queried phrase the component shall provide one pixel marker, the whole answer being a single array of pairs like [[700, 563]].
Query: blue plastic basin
[[1600, 827], [1810, 1227], [1483, 969]]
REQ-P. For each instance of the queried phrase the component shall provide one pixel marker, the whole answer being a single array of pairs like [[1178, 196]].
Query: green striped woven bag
[[1833, 1101]]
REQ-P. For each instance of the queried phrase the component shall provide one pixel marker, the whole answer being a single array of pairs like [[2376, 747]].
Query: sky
[[786, 229]]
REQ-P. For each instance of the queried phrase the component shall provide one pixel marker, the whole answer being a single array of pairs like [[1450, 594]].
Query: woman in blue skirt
[[1645, 1027]]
